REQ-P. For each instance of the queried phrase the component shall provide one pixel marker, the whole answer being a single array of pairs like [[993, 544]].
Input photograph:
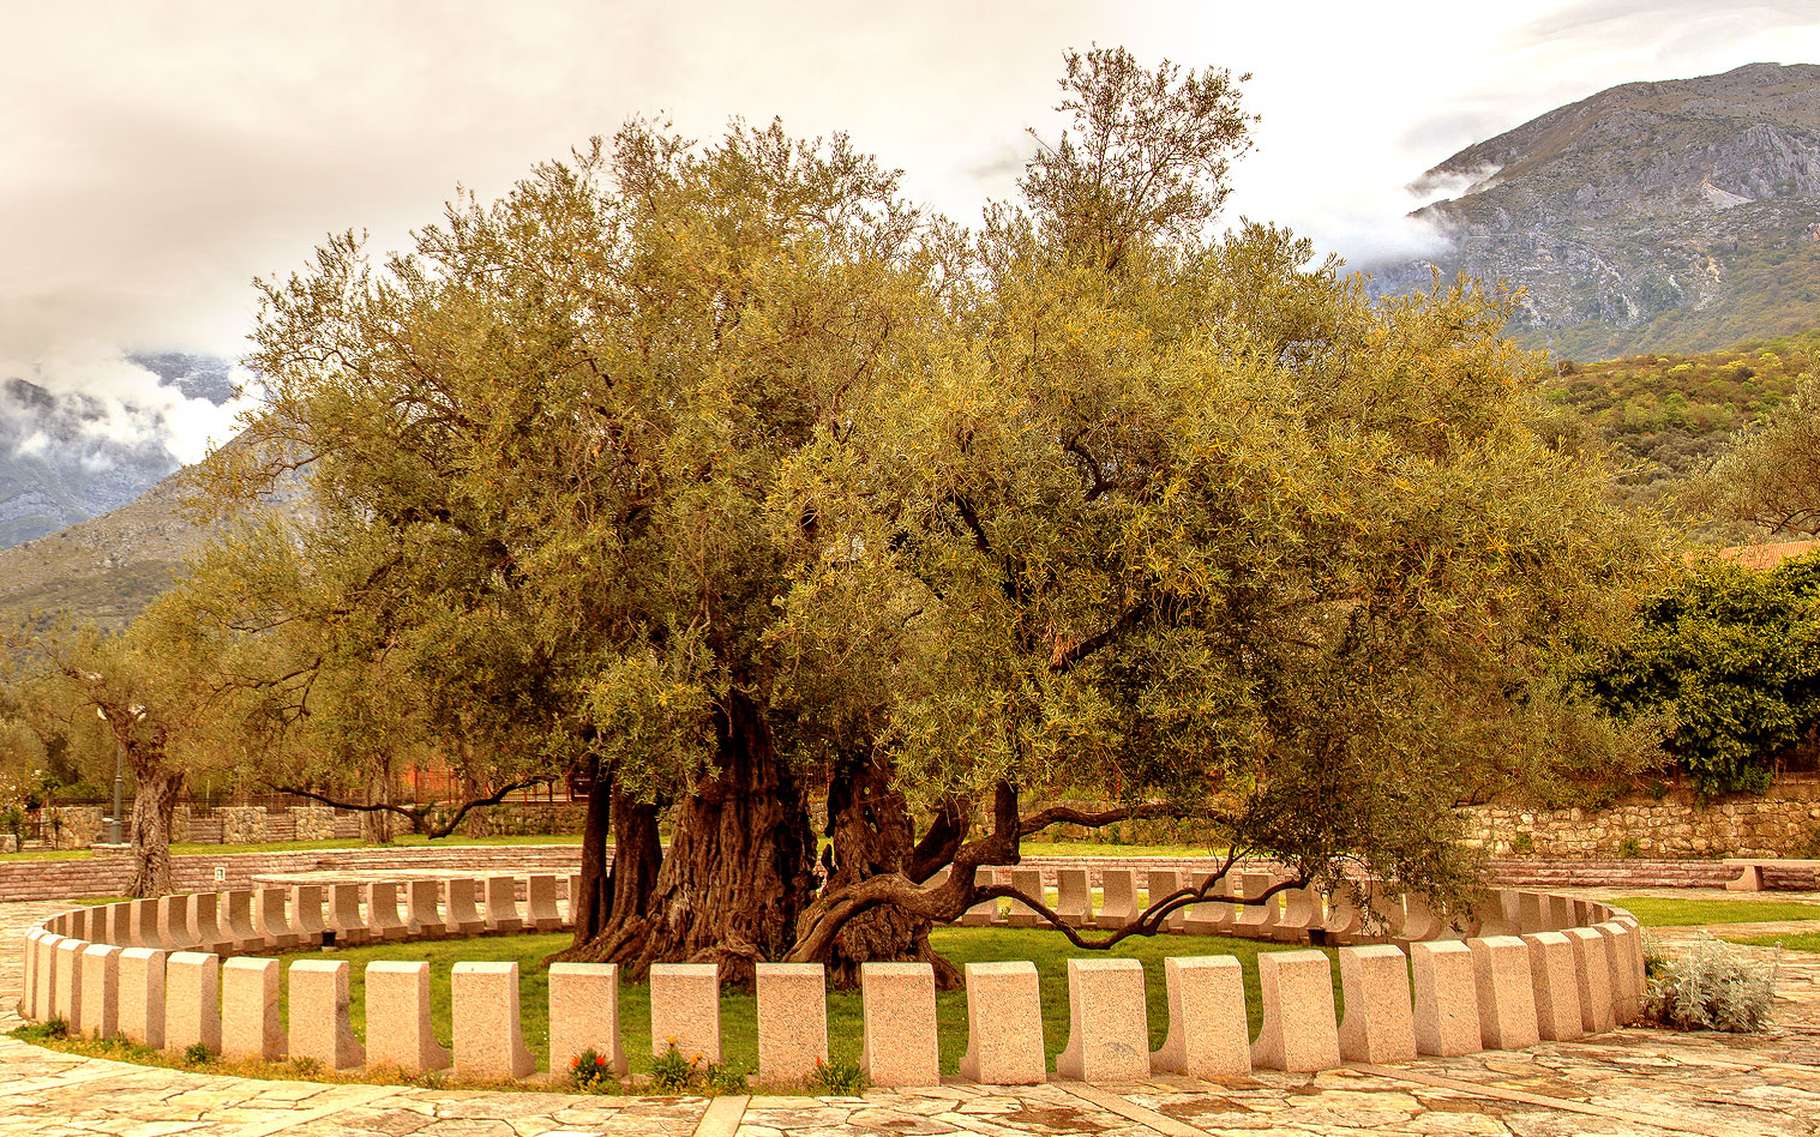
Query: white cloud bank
[[161, 157]]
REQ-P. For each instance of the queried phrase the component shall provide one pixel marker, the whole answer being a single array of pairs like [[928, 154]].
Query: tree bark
[[154, 805], [738, 870], [869, 833]]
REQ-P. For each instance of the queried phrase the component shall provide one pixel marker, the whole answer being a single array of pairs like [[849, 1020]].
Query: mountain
[[67, 457], [1672, 216]]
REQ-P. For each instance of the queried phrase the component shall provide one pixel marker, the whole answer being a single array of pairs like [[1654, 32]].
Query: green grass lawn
[[405, 842], [1666, 911], [1048, 950]]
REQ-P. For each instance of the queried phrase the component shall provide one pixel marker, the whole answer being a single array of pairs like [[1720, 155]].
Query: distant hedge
[[1732, 657]]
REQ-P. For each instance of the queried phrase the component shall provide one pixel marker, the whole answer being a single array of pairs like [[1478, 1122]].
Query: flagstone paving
[[1633, 1083]]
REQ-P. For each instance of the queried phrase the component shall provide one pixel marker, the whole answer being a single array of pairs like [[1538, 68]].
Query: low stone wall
[[184, 971], [1783, 822]]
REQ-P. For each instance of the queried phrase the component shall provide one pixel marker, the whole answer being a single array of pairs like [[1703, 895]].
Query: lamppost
[[113, 828]]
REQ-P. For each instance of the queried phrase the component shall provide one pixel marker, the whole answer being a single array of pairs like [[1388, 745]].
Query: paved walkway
[[1634, 1082]]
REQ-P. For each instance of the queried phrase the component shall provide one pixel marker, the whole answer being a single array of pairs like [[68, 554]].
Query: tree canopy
[[725, 475]]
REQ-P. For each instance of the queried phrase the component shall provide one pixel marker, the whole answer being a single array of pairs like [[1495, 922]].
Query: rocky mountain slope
[[1673, 216], [67, 457]]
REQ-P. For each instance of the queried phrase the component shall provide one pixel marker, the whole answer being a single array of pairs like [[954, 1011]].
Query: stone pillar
[[100, 990], [204, 920], [572, 911], [540, 904], [250, 1028], [270, 920], [1161, 883], [1592, 976], [174, 924], [423, 910], [986, 911], [1213, 917], [1028, 881], [1532, 915], [384, 920], [1626, 984], [1447, 1001], [139, 1013], [192, 1001], [792, 1021], [1379, 1025], [306, 913], [1208, 1033], [584, 1013], [685, 1010], [398, 1017], [461, 915], [1301, 911], [899, 1043], [240, 920], [489, 1039], [44, 977], [119, 924], [1074, 901], [1420, 920], [502, 905], [1299, 1034], [1555, 987], [1560, 912], [1507, 1002], [319, 1014], [143, 924], [28, 991], [1639, 978], [69, 983], [1004, 1025], [1108, 1022], [1118, 898], [345, 920], [1344, 919]]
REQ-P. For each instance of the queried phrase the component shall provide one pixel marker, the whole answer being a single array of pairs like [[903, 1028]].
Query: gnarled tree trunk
[[738, 870], [869, 834], [154, 805]]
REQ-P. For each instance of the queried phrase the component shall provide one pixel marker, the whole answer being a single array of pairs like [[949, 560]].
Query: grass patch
[[1668, 911], [1807, 941], [187, 849], [738, 1011]]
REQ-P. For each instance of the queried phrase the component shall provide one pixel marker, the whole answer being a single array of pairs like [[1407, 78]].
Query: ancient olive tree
[[724, 475]]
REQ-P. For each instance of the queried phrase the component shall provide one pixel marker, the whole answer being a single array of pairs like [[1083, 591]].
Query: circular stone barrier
[[184, 970]]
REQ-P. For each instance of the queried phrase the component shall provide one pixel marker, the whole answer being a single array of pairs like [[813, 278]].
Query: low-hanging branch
[[417, 815]]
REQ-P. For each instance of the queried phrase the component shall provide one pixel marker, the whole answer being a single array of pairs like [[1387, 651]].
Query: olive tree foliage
[[1770, 476], [722, 473], [1194, 527]]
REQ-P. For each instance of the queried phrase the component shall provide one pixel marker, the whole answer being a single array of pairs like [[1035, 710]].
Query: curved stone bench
[[185, 970]]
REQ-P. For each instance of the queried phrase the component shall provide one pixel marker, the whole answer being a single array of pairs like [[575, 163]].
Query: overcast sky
[[158, 156]]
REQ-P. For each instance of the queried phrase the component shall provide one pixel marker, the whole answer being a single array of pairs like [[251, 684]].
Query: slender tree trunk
[[616, 882], [154, 805], [870, 833], [738, 871]]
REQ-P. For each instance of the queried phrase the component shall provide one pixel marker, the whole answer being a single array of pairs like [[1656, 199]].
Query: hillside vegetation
[[1667, 415]]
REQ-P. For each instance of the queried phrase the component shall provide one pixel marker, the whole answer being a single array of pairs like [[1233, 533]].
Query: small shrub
[[590, 1070], [671, 1073], [51, 1030], [198, 1054], [1628, 848], [1713, 987], [838, 1078], [1523, 844], [722, 1078]]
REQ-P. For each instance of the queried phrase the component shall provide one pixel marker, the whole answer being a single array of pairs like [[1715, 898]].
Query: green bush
[[1712, 987], [198, 1054], [671, 1072], [1731, 657]]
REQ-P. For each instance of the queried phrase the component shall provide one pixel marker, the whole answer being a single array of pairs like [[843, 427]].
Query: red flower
[[575, 1062], [599, 1061]]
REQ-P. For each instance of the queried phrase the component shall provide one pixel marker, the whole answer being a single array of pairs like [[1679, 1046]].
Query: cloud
[[160, 159]]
